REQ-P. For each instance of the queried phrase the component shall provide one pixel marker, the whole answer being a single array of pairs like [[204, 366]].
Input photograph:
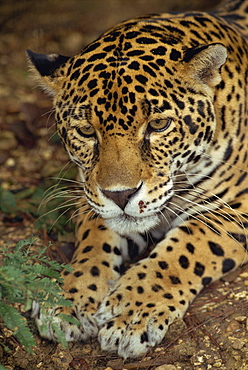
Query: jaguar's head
[[136, 115]]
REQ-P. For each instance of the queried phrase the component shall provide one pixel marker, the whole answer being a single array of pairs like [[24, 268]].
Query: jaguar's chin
[[126, 224]]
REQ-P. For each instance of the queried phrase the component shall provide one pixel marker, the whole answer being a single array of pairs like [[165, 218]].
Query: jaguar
[[154, 114]]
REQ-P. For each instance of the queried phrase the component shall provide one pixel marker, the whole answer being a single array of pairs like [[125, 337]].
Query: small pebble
[[166, 367]]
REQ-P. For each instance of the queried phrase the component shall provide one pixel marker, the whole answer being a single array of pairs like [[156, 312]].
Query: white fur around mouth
[[125, 224]]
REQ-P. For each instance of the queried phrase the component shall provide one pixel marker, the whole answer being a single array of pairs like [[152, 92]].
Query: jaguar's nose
[[122, 197]]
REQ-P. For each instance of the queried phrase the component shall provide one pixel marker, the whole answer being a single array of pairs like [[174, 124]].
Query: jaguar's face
[[132, 148], [126, 173]]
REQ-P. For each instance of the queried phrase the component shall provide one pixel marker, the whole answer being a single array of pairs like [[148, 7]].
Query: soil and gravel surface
[[214, 333]]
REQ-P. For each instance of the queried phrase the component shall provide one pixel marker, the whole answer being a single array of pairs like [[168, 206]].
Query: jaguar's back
[[235, 12]]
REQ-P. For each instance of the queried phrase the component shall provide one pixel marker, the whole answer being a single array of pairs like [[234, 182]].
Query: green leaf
[[69, 319], [59, 334], [17, 323], [26, 338]]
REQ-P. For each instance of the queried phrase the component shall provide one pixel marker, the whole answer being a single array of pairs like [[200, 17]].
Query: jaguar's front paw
[[131, 331], [48, 320], [130, 322]]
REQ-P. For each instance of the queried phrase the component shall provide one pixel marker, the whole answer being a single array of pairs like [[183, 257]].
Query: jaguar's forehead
[[135, 39], [125, 71], [140, 48]]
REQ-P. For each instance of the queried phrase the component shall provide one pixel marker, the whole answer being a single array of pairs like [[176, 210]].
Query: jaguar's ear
[[203, 63], [47, 70]]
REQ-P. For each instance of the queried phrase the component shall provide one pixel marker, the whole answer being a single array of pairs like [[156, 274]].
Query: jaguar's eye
[[160, 124], [86, 131]]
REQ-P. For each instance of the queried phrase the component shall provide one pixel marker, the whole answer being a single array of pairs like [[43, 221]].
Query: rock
[[166, 367]]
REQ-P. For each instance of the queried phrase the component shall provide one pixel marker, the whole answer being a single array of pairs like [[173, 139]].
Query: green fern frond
[[26, 276], [18, 324]]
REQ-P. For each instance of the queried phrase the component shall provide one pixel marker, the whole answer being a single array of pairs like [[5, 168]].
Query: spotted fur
[[154, 113]]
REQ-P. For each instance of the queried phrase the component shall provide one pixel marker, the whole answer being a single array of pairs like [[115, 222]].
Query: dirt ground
[[214, 332]]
